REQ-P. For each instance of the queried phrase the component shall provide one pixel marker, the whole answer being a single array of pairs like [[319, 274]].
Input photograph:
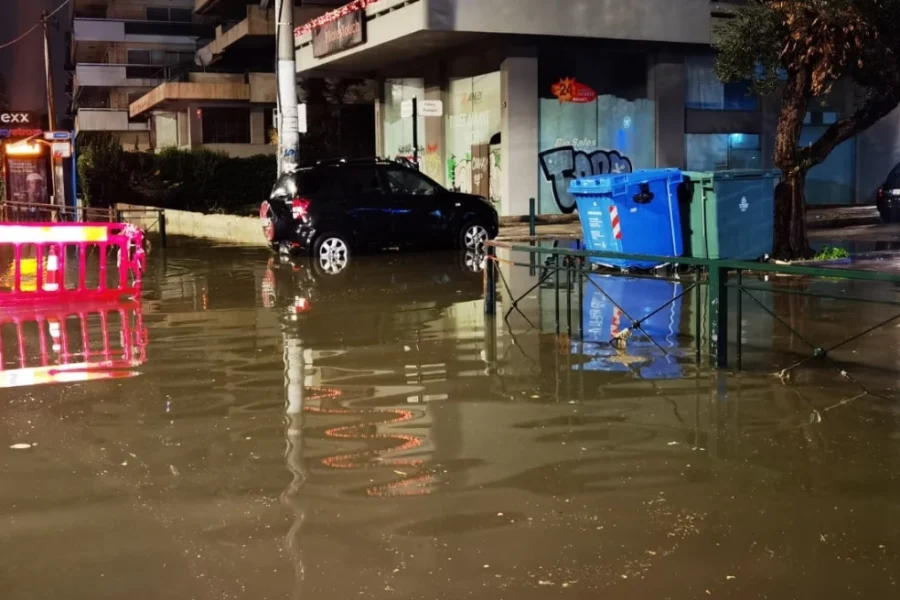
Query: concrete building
[[179, 73], [535, 93]]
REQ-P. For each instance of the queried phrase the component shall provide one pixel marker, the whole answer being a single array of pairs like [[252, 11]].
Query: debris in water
[[544, 582], [673, 443], [399, 472], [620, 340], [174, 470], [21, 446], [730, 577]]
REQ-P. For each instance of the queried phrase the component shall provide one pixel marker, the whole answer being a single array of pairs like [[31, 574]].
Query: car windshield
[[893, 178]]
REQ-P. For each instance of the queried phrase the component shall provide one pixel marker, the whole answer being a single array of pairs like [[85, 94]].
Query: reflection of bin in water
[[728, 214], [638, 297], [632, 213]]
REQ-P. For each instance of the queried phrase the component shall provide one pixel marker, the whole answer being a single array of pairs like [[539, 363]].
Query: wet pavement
[[277, 432]]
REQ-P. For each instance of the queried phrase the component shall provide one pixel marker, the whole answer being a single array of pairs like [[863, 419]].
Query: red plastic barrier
[[53, 247], [53, 343]]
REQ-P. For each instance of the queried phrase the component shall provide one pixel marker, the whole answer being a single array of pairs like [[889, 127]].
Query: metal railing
[[25, 212], [726, 283], [148, 219]]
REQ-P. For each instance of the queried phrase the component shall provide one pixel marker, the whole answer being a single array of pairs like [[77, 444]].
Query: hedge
[[196, 180]]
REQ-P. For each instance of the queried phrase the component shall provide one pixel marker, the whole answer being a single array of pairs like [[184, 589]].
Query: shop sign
[[21, 119], [431, 108], [337, 35], [569, 90]]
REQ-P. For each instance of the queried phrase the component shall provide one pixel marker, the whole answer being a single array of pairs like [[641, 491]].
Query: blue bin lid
[[606, 183]]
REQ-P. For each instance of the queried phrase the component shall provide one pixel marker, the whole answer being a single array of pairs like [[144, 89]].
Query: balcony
[[106, 75], [227, 89], [106, 119], [256, 30], [91, 37]]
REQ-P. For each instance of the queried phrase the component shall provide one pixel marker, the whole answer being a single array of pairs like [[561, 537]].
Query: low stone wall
[[246, 231]]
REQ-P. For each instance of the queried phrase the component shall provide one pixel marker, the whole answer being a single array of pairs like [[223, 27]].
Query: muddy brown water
[[289, 435]]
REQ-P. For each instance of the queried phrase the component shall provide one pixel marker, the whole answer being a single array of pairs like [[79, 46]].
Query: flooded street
[[263, 430]]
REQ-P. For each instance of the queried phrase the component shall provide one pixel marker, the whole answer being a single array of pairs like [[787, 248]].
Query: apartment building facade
[[178, 73], [536, 93]]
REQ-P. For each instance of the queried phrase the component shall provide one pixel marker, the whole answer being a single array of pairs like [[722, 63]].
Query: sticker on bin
[[616, 224]]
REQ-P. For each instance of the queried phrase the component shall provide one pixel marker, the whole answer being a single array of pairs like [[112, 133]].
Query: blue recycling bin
[[638, 297], [630, 213]]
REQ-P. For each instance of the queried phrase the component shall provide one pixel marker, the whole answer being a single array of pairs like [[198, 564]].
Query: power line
[[35, 26]]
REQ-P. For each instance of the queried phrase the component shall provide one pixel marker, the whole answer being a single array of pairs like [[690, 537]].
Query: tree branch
[[870, 113]]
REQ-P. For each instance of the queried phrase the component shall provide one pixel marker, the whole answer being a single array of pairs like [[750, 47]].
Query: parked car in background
[[339, 207], [888, 197]]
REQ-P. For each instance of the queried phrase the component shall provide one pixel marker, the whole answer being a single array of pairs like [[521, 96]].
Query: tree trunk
[[790, 240], [790, 200]]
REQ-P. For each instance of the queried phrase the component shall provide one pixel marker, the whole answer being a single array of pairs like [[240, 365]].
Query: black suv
[[343, 206], [888, 199]]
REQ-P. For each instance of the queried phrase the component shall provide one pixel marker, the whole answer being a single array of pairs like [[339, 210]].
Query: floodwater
[[252, 429]]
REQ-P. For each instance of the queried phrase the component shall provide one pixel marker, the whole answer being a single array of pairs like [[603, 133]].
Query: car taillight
[[299, 207], [880, 193]]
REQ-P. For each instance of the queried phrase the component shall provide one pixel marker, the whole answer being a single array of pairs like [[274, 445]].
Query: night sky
[[22, 65]]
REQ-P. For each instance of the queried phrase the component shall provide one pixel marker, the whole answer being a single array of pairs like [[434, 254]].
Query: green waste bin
[[728, 214]]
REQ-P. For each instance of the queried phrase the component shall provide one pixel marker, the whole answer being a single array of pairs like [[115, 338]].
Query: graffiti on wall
[[563, 164], [479, 174], [431, 164]]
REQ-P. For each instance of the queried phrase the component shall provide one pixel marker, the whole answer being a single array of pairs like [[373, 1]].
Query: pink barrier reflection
[[68, 262], [51, 343]]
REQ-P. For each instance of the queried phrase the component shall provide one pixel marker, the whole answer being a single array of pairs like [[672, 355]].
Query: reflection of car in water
[[379, 288]]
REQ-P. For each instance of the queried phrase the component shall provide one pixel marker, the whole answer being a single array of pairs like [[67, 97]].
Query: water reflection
[[43, 342], [391, 443]]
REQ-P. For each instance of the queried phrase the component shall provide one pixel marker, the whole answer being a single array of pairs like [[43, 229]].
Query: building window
[[717, 152], [175, 15], [704, 91], [226, 125]]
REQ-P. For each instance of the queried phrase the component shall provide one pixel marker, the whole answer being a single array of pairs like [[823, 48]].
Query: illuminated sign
[[20, 133], [569, 90], [24, 118], [24, 149]]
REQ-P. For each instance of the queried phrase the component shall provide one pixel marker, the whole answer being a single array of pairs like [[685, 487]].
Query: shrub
[[195, 180]]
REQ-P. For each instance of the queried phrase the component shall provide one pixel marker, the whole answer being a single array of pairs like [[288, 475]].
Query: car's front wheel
[[331, 253], [473, 235]]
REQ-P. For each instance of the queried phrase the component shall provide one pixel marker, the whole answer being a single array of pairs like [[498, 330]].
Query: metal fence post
[[490, 283], [580, 285], [532, 219], [162, 229], [717, 309]]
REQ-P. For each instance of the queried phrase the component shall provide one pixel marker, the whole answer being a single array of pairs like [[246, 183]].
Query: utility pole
[[48, 70], [289, 127], [56, 166]]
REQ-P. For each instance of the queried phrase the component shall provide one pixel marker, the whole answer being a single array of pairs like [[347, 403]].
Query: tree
[[804, 47]]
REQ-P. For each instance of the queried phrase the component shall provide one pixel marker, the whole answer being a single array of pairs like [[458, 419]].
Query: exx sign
[[18, 118]]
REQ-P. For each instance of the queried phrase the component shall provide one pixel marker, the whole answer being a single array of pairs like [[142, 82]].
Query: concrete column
[[434, 158], [258, 126], [379, 117], [667, 88], [519, 131]]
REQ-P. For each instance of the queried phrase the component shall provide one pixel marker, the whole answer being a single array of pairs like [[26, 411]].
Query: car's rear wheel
[[331, 253], [473, 235]]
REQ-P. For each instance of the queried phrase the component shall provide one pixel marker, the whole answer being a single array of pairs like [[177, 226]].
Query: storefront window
[[706, 92], [472, 136], [595, 118], [720, 151], [398, 132]]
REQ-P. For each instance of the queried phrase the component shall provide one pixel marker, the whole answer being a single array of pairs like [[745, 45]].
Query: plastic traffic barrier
[[70, 261]]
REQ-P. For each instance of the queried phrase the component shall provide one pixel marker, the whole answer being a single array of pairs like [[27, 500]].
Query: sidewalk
[[568, 226]]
